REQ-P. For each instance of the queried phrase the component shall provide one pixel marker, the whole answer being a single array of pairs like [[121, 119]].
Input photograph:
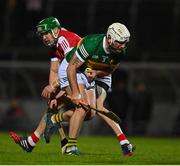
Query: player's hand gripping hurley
[[88, 107]]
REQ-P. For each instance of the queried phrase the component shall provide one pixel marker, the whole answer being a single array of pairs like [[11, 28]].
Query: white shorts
[[81, 78], [106, 79]]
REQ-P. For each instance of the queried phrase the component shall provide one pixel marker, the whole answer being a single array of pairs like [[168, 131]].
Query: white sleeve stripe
[[83, 51], [64, 45], [63, 42], [79, 57]]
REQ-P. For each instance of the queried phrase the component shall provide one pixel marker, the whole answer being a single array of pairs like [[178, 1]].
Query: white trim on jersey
[[83, 51], [67, 50], [63, 43], [54, 59], [105, 79], [79, 57]]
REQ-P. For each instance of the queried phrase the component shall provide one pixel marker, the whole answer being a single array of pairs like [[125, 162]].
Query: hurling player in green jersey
[[100, 54]]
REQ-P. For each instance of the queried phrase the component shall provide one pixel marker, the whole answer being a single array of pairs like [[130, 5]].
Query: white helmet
[[118, 32]]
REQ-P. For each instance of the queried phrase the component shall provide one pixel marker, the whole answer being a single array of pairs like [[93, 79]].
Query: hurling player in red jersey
[[60, 41]]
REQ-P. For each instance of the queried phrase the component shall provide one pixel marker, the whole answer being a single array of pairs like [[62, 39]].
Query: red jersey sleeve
[[66, 41]]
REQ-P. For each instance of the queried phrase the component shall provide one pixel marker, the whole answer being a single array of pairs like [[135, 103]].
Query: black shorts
[[102, 85]]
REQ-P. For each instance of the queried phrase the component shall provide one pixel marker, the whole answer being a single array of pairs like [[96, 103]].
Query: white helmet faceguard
[[118, 32]]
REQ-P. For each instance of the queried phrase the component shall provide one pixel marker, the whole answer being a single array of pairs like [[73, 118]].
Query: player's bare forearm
[[112, 69], [53, 75], [71, 73], [100, 73], [53, 80]]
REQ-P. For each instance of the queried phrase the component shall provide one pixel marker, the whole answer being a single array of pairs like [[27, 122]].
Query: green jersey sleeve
[[88, 46]]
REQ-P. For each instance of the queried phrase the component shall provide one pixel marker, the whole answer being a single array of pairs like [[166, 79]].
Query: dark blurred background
[[145, 92]]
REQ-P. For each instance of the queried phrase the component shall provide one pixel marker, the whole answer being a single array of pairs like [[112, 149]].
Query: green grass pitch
[[95, 150]]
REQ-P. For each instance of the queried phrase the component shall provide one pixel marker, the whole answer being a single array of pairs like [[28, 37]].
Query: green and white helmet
[[47, 25], [118, 32]]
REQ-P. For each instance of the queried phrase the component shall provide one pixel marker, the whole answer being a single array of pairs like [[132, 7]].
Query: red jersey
[[65, 42]]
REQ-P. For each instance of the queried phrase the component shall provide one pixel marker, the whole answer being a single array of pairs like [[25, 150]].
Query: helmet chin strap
[[114, 50], [55, 36], [111, 48]]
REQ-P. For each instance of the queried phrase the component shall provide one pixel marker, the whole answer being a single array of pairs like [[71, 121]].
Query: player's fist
[[47, 91]]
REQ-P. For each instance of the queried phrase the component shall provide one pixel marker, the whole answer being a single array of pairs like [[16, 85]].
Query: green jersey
[[91, 50]]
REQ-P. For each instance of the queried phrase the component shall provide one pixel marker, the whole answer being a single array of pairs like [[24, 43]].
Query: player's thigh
[[82, 90], [91, 94], [101, 98]]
